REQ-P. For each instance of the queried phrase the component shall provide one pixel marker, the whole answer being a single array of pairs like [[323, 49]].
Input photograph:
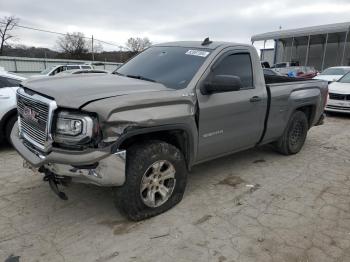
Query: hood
[[73, 91], [328, 77], [339, 88]]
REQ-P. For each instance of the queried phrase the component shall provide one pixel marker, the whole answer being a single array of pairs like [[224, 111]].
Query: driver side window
[[239, 65]]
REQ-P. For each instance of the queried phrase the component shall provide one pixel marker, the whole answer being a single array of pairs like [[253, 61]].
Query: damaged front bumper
[[97, 166]]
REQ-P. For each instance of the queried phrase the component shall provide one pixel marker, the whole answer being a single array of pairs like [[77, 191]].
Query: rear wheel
[[155, 180], [8, 128], [294, 135]]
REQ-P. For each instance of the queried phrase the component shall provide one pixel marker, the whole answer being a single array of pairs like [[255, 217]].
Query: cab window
[[72, 67], [239, 65]]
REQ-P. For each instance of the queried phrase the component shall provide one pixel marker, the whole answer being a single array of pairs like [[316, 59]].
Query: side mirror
[[222, 83]]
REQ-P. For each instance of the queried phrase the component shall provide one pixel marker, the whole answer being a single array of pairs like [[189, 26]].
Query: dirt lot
[[253, 206]]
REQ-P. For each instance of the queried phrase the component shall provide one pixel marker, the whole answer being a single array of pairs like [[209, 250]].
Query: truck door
[[234, 120]]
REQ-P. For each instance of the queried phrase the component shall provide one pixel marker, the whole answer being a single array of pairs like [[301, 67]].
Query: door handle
[[255, 99]]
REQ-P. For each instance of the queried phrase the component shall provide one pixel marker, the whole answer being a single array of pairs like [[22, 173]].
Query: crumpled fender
[[123, 116]]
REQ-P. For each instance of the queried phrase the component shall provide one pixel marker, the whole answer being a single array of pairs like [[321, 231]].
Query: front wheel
[[156, 177], [294, 135]]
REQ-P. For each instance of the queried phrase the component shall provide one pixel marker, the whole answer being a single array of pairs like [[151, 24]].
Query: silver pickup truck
[[142, 128]]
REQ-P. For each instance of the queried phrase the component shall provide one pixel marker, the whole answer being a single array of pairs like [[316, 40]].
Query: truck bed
[[286, 93]]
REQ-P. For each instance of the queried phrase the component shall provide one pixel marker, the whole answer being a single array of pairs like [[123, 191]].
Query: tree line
[[69, 46]]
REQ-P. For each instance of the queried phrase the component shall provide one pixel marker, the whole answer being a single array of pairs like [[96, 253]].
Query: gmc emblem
[[30, 114]]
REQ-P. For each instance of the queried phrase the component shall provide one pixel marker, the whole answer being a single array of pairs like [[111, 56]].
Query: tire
[[8, 128], [147, 164], [294, 135]]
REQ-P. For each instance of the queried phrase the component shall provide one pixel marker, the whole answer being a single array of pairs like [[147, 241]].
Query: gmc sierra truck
[[142, 128]]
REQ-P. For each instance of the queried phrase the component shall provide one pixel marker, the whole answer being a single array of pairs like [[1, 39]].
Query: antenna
[[207, 41]]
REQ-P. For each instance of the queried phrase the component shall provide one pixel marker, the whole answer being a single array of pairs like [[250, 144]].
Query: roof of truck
[[198, 44]]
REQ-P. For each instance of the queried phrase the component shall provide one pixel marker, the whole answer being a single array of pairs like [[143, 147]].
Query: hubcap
[[158, 183]]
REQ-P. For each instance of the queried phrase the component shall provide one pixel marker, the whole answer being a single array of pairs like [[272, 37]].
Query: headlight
[[73, 128]]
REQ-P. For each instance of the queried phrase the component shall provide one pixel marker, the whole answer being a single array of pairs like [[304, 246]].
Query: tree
[[138, 44], [6, 25], [73, 45]]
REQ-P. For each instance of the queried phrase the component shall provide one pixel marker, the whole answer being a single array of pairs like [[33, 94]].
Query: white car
[[339, 95], [82, 71], [332, 74], [8, 112], [51, 71]]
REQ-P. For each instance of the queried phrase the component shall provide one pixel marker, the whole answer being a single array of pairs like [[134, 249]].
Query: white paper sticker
[[197, 53]]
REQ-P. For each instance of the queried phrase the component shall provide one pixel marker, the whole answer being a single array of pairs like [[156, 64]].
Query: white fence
[[28, 66]]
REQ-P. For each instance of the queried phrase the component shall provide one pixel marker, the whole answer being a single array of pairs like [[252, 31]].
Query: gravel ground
[[253, 206]]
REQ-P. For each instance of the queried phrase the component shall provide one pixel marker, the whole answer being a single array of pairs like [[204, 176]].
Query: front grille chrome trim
[[41, 139]]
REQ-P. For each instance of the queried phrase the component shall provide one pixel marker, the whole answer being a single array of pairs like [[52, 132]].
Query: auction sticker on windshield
[[197, 53]]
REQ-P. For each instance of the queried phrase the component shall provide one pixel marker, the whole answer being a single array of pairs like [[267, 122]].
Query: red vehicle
[[307, 75]]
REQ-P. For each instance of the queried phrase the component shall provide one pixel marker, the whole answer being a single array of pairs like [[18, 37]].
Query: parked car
[[339, 95], [82, 71], [51, 71], [167, 109], [8, 112], [333, 73]]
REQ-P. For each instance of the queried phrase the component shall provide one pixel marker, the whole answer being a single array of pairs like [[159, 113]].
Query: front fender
[[189, 129]]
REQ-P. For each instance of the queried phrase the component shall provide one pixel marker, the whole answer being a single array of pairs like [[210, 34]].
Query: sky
[[115, 21]]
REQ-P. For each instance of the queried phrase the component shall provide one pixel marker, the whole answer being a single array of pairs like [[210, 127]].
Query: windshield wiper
[[136, 77], [142, 78], [117, 73]]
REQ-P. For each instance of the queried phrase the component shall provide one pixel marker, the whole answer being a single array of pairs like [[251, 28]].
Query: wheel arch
[[309, 111], [179, 136], [5, 119]]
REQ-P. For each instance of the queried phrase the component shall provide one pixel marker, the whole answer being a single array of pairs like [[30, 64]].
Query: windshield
[[174, 67], [345, 79], [333, 71], [46, 71]]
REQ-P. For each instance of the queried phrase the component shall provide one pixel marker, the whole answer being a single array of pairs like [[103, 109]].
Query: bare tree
[[138, 44], [7, 23], [73, 45]]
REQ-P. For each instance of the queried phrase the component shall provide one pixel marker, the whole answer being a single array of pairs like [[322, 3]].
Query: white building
[[319, 46]]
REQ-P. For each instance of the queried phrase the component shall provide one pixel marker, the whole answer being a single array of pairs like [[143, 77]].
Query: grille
[[339, 96], [34, 119]]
